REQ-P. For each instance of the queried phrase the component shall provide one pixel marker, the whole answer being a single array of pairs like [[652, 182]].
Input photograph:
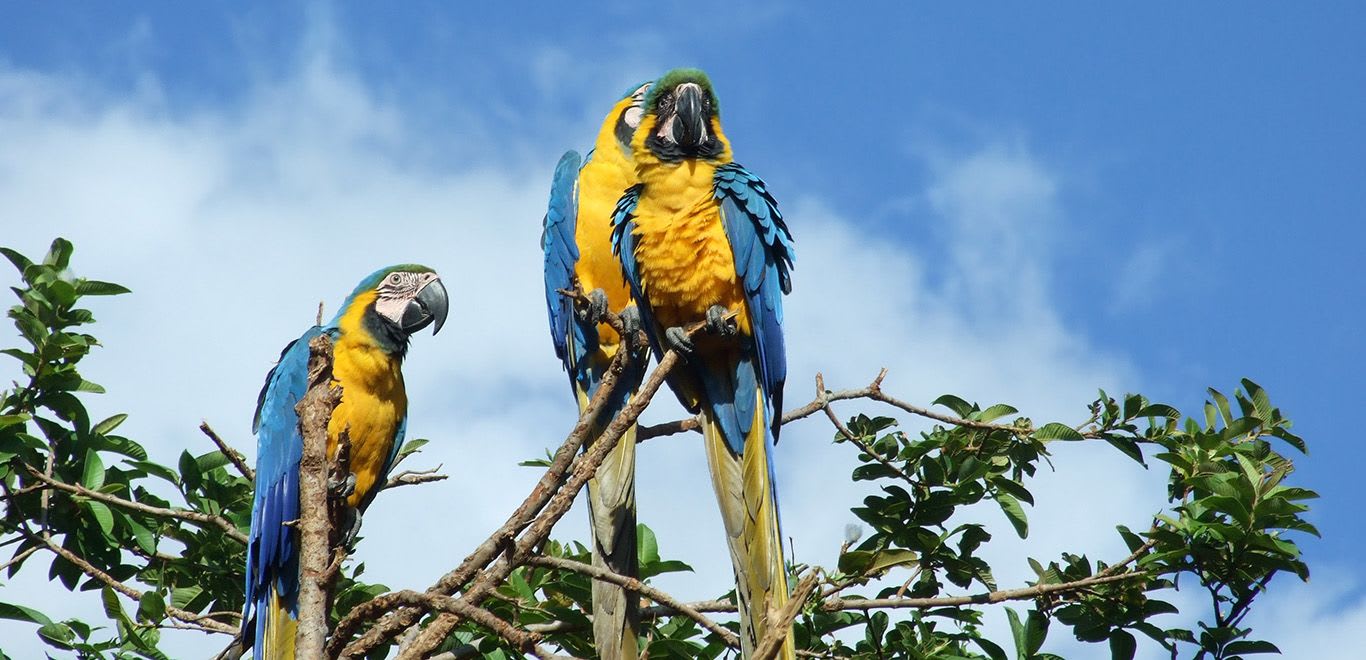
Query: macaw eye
[[395, 278], [631, 117]]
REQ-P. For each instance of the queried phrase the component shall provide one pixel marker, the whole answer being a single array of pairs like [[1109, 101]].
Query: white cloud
[[230, 224]]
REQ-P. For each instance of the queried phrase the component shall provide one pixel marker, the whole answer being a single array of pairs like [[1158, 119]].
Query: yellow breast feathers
[[374, 401]]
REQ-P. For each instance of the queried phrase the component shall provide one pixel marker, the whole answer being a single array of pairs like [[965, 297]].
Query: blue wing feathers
[[271, 556], [763, 258], [561, 254]]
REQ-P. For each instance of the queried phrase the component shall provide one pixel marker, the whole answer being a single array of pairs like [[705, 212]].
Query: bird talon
[[342, 488], [718, 323], [630, 324], [678, 339], [350, 525], [596, 308]]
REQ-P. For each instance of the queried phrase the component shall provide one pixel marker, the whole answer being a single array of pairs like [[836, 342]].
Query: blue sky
[[1018, 203]]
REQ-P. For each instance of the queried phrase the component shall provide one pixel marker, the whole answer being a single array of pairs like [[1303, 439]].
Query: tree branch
[[414, 477], [196, 517], [485, 553], [315, 519], [233, 455], [203, 622], [674, 605], [585, 466]]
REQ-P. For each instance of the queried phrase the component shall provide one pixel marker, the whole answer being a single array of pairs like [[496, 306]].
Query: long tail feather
[[745, 491], [277, 640], [612, 516]]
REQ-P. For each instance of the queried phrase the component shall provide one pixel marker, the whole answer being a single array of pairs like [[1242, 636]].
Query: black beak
[[692, 118], [431, 304]]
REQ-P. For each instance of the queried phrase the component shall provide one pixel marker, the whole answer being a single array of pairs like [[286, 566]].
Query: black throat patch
[[671, 152], [387, 334]]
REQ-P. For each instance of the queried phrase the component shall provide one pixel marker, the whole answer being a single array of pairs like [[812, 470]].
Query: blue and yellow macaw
[[577, 240], [370, 337], [699, 238]]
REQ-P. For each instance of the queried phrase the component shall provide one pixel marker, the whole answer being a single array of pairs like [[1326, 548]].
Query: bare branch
[[196, 517], [485, 553], [585, 466], [233, 455], [414, 477], [674, 605]]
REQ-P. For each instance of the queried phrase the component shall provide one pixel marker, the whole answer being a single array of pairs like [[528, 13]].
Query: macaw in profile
[[370, 337], [700, 238], [577, 240]]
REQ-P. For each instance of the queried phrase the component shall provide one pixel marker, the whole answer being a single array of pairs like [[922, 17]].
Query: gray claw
[[678, 339], [630, 322], [342, 489], [350, 524], [596, 308], [718, 323]]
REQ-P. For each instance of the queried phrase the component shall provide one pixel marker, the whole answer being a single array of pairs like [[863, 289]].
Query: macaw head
[[394, 303], [682, 117]]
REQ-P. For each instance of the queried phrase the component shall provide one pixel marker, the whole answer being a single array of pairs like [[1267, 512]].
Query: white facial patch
[[396, 290]]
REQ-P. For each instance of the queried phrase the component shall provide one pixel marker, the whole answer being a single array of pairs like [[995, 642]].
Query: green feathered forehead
[[373, 279], [675, 78]]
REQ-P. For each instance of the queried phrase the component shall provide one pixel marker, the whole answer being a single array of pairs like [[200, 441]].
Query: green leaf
[[1017, 630], [1250, 647], [86, 287], [152, 607], [94, 471], [1222, 402], [21, 613], [958, 406], [103, 516], [647, 547], [112, 608], [189, 472], [1122, 645], [59, 255], [996, 412], [1057, 431], [109, 424], [1159, 410], [56, 634], [20, 261], [1014, 488], [1014, 512]]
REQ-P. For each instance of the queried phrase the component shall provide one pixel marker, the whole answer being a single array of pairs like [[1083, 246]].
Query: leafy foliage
[[160, 544]]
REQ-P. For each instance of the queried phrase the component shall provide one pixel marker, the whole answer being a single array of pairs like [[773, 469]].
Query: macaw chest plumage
[[600, 184], [372, 408], [684, 259]]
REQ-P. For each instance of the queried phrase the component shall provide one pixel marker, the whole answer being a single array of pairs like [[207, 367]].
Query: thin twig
[[414, 477], [633, 585], [202, 621], [180, 514], [234, 456], [849, 435]]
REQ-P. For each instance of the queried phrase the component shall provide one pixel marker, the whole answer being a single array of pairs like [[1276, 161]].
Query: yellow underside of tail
[[611, 516], [748, 507], [278, 641]]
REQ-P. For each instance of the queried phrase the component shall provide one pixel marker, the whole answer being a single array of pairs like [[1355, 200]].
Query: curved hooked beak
[[431, 304], [692, 119]]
